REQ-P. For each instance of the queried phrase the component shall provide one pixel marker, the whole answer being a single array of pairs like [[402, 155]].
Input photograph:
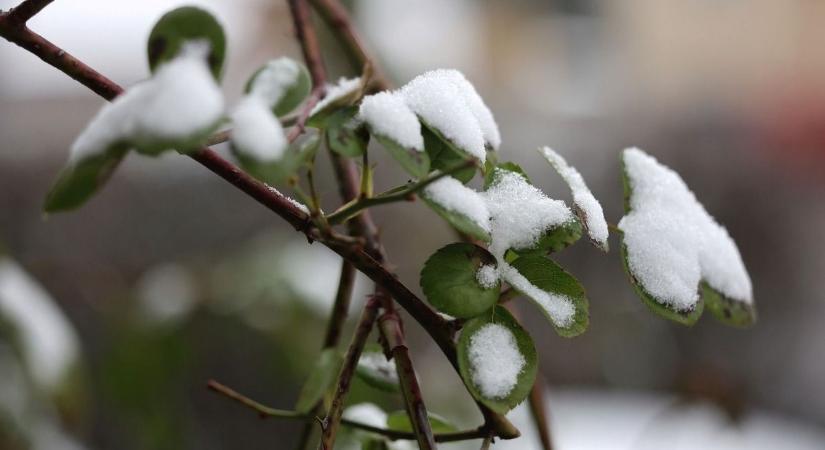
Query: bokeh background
[[170, 277]]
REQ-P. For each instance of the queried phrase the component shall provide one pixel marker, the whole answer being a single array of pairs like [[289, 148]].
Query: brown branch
[[363, 259], [359, 340], [305, 34], [338, 20], [539, 412], [300, 123], [26, 10]]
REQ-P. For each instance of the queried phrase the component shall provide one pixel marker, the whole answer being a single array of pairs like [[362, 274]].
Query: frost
[[378, 365], [179, 101], [257, 133], [487, 276], [452, 195], [672, 242], [520, 213], [495, 360], [446, 101], [335, 92], [49, 344], [582, 197], [388, 115], [559, 307], [294, 202]]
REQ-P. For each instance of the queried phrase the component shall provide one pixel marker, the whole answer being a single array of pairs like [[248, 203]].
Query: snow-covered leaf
[[278, 171], [79, 180], [376, 370], [497, 360], [322, 377], [588, 209], [345, 135], [345, 93], [456, 280], [283, 82], [459, 205], [182, 25], [671, 246], [560, 297], [443, 156], [491, 169], [400, 421]]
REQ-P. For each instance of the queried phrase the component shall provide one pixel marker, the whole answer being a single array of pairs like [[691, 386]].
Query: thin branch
[[300, 123], [359, 340], [338, 20], [364, 259], [264, 411], [403, 193], [26, 10], [305, 34], [538, 410]]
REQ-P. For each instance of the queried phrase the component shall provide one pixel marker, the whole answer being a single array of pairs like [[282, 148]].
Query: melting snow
[[672, 242]]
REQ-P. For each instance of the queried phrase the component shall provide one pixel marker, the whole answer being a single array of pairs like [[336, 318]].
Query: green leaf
[[659, 307], [459, 221], [449, 280], [491, 169], [444, 156], [342, 95], [320, 380], [415, 162], [375, 370], [184, 24], [154, 146], [400, 421], [290, 163], [548, 276], [78, 181], [344, 135], [727, 310], [294, 94], [499, 315]]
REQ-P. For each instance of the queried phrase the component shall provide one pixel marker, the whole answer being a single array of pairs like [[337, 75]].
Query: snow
[[487, 276], [495, 360], [446, 101], [520, 213], [335, 92], [257, 133], [388, 115], [181, 99], [672, 242], [366, 413], [274, 79], [294, 202], [582, 197], [49, 344], [378, 364], [560, 308], [453, 196]]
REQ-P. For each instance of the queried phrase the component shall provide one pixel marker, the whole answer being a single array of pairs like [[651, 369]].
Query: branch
[[539, 412], [359, 340], [305, 34], [350, 209], [300, 123], [26, 10], [338, 20], [264, 411]]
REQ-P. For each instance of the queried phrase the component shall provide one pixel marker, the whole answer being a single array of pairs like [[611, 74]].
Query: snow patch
[[257, 133], [335, 92], [582, 197], [672, 242], [378, 364], [454, 196], [495, 360], [388, 115], [180, 100], [274, 79], [560, 308], [487, 276]]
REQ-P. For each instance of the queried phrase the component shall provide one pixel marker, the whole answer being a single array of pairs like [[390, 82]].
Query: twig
[[359, 340], [538, 410], [350, 209], [338, 20], [26, 10], [264, 411], [300, 123]]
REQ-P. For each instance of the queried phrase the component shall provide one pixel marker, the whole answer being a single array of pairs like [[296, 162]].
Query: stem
[[352, 208], [338, 20], [507, 295], [539, 412], [264, 411], [359, 340], [26, 10]]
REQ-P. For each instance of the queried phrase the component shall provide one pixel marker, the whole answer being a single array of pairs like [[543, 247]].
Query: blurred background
[[113, 317]]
